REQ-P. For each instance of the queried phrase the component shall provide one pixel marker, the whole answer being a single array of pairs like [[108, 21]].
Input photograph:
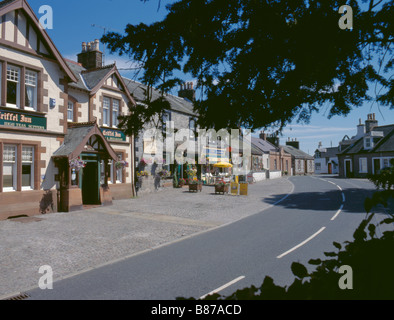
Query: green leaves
[[265, 63], [299, 270]]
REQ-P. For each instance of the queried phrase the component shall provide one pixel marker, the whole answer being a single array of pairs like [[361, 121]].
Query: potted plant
[[181, 182], [221, 187], [143, 174], [195, 185]]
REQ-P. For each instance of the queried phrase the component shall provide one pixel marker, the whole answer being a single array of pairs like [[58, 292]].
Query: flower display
[[121, 164], [142, 174], [194, 181], [77, 164], [164, 173]]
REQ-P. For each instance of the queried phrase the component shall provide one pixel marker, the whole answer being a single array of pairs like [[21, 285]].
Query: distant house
[[368, 152], [274, 158], [301, 162], [326, 160]]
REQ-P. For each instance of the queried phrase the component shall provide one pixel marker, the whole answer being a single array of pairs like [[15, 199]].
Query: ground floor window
[[119, 171], [9, 168], [17, 161], [27, 168], [363, 165]]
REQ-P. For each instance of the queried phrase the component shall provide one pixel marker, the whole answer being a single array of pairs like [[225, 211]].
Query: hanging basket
[[121, 164], [77, 164]]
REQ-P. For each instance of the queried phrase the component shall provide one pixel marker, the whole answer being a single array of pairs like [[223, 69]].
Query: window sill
[[30, 109]]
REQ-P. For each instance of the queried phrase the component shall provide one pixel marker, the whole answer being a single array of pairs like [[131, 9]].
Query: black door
[[348, 168], [376, 166], [90, 184]]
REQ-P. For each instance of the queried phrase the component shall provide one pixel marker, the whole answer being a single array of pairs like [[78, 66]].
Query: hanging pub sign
[[22, 120], [113, 135]]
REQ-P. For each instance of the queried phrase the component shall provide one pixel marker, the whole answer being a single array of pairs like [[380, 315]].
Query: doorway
[[348, 168], [91, 182], [330, 168], [376, 166]]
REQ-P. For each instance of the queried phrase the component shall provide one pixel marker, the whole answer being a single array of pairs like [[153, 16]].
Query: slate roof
[[5, 2], [328, 152], [263, 145], [72, 140], [385, 144], [179, 104], [297, 153], [87, 79], [76, 138]]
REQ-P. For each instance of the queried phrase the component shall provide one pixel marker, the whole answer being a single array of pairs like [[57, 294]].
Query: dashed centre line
[[323, 228], [301, 244], [223, 286]]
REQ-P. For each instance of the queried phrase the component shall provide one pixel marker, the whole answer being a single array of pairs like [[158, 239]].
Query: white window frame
[[31, 76], [14, 168], [368, 140], [115, 112], [119, 172], [361, 167], [111, 171], [388, 164], [31, 163], [18, 81], [106, 112], [70, 111]]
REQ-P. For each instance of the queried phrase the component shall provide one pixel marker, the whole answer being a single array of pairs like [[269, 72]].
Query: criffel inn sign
[[22, 120]]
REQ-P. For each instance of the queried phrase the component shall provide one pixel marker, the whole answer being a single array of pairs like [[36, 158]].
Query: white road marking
[[223, 286], [343, 198], [338, 212], [301, 244]]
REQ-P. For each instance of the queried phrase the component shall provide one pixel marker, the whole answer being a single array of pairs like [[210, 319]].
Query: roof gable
[[28, 36]]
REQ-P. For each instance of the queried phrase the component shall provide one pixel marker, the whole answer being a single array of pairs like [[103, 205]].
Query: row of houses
[[361, 155], [60, 145]]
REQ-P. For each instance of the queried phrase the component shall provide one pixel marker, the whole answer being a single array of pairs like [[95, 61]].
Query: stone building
[[59, 144], [369, 151]]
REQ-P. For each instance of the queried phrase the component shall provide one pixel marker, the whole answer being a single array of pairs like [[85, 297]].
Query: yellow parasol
[[223, 165]]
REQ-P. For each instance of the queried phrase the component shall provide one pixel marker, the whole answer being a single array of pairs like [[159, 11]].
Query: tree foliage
[[263, 63]]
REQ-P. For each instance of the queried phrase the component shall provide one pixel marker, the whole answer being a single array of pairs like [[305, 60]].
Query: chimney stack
[[187, 91], [91, 57], [370, 123], [263, 136], [294, 143], [273, 139]]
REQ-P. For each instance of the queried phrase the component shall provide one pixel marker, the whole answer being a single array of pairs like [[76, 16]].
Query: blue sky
[[73, 21]]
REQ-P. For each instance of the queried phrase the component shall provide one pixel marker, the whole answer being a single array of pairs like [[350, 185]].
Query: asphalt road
[[300, 227]]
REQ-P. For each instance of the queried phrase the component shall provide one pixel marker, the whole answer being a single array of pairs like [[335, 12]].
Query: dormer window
[[368, 143]]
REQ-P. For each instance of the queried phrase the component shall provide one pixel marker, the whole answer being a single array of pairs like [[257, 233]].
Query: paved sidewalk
[[75, 242]]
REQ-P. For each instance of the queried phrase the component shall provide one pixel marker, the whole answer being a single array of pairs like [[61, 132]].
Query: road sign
[[243, 189]]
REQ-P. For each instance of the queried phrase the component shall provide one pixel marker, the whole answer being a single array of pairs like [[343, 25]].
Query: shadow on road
[[324, 201]]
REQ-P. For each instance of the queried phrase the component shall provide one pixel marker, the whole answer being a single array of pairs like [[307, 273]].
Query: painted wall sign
[[22, 120], [113, 135]]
